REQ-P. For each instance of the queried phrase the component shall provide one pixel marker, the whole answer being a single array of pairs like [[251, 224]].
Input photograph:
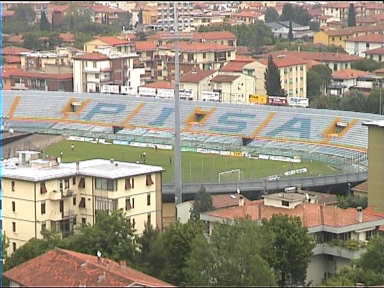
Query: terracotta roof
[[216, 35], [225, 200], [106, 9], [13, 50], [225, 78], [72, 269], [160, 84], [311, 215], [284, 62], [317, 56], [244, 58], [196, 76], [242, 50], [58, 8], [311, 63], [235, 66], [199, 47], [113, 41], [373, 38], [348, 74], [8, 13], [379, 51], [128, 36], [381, 70], [361, 187], [11, 59], [94, 56], [16, 39], [67, 37], [17, 72], [338, 5], [247, 14], [145, 45]]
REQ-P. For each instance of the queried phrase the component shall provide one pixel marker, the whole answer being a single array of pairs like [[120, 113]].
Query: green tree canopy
[[201, 203], [290, 32], [366, 65], [318, 78], [290, 251], [44, 24], [272, 79], [296, 14], [24, 13], [230, 258], [271, 15]]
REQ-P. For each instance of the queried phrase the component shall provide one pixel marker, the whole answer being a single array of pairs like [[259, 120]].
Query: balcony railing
[[338, 251]]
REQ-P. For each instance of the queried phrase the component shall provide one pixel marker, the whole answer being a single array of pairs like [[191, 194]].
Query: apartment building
[[11, 56], [118, 44], [148, 59], [343, 80], [198, 82], [43, 194], [360, 44], [293, 74], [204, 56], [339, 10], [166, 17], [105, 66], [332, 227], [106, 15], [376, 54]]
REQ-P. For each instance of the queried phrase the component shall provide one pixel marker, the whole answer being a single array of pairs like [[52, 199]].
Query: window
[[82, 202], [128, 183], [133, 203], [148, 199], [133, 183], [61, 204], [43, 226], [285, 203], [149, 219], [128, 204], [13, 185], [204, 55], [74, 201], [367, 45], [66, 183], [14, 226], [13, 206], [42, 208], [96, 76], [14, 246], [43, 189], [105, 184], [73, 180], [148, 180], [370, 234], [83, 221], [94, 64], [61, 185], [82, 182]]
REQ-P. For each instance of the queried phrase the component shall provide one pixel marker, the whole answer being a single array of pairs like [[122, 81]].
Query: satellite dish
[[11, 131]]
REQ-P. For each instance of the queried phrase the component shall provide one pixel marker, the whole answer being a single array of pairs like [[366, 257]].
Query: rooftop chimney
[[359, 214], [241, 201]]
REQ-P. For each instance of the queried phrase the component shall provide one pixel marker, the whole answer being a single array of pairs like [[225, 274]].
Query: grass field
[[197, 167]]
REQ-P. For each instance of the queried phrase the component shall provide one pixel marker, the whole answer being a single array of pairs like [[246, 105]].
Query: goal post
[[230, 172]]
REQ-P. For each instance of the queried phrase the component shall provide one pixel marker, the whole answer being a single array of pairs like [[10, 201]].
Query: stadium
[[298, 140]]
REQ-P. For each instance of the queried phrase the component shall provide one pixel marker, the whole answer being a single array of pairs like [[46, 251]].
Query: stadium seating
[[287, 129]]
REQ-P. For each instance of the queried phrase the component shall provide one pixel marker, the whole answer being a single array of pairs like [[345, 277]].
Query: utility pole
[[177, 148]]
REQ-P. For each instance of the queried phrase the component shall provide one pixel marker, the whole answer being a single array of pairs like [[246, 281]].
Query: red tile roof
[[235, 66], [285, 61], [17, 72], [72, 269], [113, 41], [160, 84], [311, 215], [378, 51], [199, 47], [348, 74], [13, 50], [67, 37], [381, 70], [372, 38], [225, 78], [106, 9], [11, 59], [247, 14], [225, 200], [196, 76], [242, 50], [317, 56], [145, 45], [216, 35], [58, 8], [8, 13], [361, 187], [94, 56]]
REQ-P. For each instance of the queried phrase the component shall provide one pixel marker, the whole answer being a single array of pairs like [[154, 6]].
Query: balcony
[[88, 69], [57, 195], [19, 86], [56, 215], [338, 251]]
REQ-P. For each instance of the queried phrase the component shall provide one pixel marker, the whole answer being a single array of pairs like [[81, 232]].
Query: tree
[[352, 201], [202, 203], [366, 65], [295, 14], [171, 249], [314, 26], [290, 32], [232, 257], [351, 15], [291, 249], [146, 241], [112, 234], [271, 15], [272, 79], [31, 41], [318, 78], [44, 24], [373, 101], [287, 12], [24, 13]]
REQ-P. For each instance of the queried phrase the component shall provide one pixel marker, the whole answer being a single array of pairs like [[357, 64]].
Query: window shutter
[[82, 182], [128, 183], [43, 189], [128, 204], [149, 180]]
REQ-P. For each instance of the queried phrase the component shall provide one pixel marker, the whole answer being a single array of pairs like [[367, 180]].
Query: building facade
[[45, 194]]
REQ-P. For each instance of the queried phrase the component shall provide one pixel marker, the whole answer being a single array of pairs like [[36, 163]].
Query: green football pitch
[[197, 167]]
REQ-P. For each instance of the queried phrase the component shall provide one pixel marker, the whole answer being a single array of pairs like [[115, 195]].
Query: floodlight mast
[[177, 150]]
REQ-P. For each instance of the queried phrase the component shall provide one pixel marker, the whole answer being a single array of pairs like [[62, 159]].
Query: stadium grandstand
[[331, 136]]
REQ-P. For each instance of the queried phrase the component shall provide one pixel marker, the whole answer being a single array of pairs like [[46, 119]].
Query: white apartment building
[[43, 194], [166, 18]]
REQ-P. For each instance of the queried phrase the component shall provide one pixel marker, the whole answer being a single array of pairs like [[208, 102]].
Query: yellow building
[[376, 164], [118, 44], [45, 194], [333, 37]]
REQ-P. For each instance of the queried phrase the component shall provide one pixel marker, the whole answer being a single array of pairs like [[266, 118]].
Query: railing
[[338, 251]]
